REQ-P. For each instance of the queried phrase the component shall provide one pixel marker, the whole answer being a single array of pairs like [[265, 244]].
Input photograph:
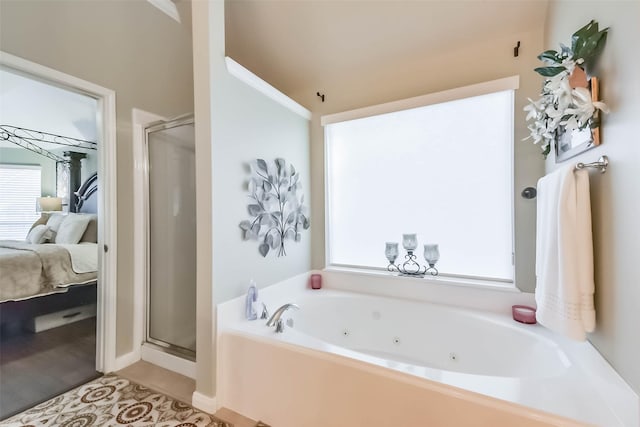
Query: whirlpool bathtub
[[365, 350]]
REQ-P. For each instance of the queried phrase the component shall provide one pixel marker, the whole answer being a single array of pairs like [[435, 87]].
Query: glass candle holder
[[431, 254], [410, 242], [391, 251]]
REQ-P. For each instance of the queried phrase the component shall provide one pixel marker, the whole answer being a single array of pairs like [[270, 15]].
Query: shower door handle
[[106, 248]]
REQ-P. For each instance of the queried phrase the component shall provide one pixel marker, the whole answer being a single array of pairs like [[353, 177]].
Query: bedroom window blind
[[20, 186]]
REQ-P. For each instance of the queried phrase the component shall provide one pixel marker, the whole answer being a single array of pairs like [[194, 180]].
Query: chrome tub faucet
[[276, 318]]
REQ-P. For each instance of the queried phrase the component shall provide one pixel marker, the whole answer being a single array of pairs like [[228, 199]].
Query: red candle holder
[[524, 314], [316, 281]]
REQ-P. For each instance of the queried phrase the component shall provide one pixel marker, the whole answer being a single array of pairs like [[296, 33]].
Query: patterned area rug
[[113, 401]]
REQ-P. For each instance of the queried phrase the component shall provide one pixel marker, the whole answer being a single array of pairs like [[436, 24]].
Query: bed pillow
[[44, 217], [91, 233], [54, 221], [72, 228], [39, 234]]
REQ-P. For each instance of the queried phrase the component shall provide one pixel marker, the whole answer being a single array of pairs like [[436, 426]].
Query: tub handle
[[265, 312]]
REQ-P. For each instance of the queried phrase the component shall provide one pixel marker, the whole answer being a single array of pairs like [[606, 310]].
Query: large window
[[19, 189], [443, 171]]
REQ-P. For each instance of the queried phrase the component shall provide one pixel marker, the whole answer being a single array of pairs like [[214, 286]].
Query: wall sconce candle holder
[[411, 267]]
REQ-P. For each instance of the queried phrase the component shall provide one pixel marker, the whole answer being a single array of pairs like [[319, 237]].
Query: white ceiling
[[301, 45], [32, 104]]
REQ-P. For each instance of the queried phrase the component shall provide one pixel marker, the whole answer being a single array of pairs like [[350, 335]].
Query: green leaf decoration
[[549, 71], [550, 55], [262, 165], [594, 47], [565, 51], [579, 37], [245, 225], [587, 45]]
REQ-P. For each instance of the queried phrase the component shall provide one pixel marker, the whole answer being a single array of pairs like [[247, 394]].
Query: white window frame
[[484, 88]]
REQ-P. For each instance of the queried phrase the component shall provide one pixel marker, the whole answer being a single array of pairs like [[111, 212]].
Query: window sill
[[493, 285]]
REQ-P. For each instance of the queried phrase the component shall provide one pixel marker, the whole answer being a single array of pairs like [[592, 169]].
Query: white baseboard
[[127, 359], [204, 403], [168, 361]]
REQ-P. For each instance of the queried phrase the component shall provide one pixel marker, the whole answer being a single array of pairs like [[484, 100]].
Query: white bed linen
[[84, 256]]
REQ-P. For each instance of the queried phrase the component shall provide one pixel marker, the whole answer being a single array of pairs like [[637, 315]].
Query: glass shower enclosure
[[171, 237]]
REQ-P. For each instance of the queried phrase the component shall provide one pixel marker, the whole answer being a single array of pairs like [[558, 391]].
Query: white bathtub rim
[[616, 394], [407, 378], [601, 375]]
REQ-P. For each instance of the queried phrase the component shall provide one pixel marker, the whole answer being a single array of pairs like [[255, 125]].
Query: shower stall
[[171, 237]]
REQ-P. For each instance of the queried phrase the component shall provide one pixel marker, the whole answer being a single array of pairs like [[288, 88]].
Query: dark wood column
[[75, 176]]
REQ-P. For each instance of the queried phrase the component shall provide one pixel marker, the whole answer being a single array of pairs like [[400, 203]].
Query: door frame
[[107, 196]]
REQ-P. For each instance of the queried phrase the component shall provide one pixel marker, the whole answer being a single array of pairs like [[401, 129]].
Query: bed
[[29, 270]]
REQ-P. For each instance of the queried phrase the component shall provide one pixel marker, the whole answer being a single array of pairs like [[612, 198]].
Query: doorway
[[75, 319]]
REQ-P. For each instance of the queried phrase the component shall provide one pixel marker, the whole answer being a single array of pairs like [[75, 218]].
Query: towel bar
[[601, 164]]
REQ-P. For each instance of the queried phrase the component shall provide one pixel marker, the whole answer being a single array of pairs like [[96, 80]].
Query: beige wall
[[234, 124], [615, 196], [129, 47], [203, 18], [481, 61], [245, 125]]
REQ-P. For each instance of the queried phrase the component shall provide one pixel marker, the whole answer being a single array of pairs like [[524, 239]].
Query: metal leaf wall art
[[276, 206]]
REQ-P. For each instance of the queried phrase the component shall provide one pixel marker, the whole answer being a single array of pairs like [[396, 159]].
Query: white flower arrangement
[[566, 103]]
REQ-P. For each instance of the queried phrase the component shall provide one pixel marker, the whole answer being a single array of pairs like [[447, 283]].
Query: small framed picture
[[570, 144]]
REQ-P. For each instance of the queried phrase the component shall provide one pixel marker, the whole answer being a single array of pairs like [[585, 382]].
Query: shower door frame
[[175, 350]]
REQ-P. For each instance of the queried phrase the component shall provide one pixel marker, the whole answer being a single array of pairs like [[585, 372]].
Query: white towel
[[564, 254]]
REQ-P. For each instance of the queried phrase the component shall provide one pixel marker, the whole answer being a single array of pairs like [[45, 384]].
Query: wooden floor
[[36, 367], [176, 386]]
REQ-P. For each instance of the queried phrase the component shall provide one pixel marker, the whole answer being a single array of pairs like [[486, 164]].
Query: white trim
[[168, 8], [507, 83], [127, 359], [327, 251], [139, 119], [107, 202], [512, 171], [204, 403], [168, 361], [243, 74]]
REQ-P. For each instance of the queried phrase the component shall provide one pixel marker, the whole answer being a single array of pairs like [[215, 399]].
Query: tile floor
[[177, 386]]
